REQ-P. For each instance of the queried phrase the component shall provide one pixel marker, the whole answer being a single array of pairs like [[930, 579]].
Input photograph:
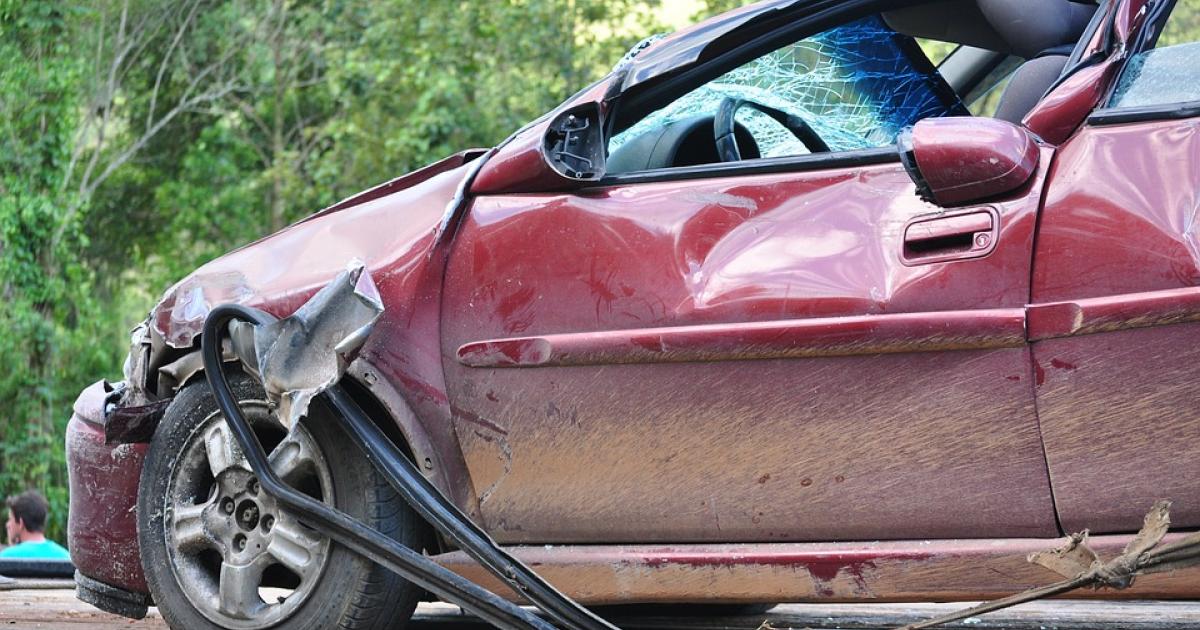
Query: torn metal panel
[[303, 354]]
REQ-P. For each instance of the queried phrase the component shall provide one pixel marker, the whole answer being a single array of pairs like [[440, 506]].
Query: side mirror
[[960, 160], [562, 152]]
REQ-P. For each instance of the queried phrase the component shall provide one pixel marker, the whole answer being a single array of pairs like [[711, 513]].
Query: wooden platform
[[48, 605]]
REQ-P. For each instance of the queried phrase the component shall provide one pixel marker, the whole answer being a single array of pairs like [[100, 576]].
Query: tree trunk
[[277, 122]]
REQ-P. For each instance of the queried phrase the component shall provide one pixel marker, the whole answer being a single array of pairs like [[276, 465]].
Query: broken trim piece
[[305, 355], [1124, 115], [789, 339], [1112, 313]]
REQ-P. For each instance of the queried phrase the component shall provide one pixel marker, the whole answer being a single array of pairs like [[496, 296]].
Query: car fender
[[402, 234]]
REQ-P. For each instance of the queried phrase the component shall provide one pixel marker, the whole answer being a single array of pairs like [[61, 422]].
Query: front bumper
[[103, 479]]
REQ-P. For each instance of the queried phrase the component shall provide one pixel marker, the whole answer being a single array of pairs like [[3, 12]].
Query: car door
[[789, 347], [1116, 291]]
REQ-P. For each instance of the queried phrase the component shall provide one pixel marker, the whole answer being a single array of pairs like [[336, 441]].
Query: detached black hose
[[334, 523], [431, 504]]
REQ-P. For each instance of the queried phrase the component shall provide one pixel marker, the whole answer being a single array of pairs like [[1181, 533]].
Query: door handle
[[938, 238]]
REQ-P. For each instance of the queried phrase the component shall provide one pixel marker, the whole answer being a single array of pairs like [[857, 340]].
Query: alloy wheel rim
[[240, 560]]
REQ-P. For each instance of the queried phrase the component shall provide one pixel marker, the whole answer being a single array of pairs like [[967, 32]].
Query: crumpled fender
[[390, 227], [401, 231]]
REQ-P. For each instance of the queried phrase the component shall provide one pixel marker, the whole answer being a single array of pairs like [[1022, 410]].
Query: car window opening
[[856, 86]]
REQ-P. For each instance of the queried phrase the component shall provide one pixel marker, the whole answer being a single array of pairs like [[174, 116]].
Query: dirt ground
[[53, 606]]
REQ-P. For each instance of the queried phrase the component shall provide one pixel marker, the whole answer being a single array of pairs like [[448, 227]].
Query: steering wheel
[[723, 128]]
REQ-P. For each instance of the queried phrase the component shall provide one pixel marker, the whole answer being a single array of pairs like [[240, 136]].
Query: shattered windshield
[[857, 85]]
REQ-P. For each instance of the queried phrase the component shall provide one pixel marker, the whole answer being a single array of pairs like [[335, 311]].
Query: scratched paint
[[899, 571], [102, 519], [665, 442], [1117, 406]]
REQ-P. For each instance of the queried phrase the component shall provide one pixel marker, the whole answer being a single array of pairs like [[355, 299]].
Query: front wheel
[[220, 554]]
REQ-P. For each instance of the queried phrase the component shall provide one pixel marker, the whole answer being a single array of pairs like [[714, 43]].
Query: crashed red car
[[776, 311]]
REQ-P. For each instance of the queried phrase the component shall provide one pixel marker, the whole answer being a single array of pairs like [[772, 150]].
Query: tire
[[211, 541]]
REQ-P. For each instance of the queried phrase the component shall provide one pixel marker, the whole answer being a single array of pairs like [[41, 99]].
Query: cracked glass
[[1160, 77], [1170, 73], [856, 85]]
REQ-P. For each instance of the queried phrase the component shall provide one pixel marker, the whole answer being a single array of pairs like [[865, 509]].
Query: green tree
[[46, 347]]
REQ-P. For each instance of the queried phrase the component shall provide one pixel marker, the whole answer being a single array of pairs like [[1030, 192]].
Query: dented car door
[[792, 346]]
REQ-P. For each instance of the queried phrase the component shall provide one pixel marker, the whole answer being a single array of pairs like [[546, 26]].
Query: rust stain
[[765, 478]]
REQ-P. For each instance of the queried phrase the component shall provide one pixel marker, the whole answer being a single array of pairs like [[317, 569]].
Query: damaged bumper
[[103, 478]]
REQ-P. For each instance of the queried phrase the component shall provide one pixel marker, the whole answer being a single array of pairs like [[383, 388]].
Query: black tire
[[345, 591]]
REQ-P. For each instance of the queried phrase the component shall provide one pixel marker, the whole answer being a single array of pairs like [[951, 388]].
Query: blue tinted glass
[[854, 84]]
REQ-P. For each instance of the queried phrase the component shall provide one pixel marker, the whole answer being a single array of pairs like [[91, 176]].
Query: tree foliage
[[141, 138]]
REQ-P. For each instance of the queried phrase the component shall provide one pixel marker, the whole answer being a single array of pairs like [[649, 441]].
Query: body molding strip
[[798, 338], [1111, 313]]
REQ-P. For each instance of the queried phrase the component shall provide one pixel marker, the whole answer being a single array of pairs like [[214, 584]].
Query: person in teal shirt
[[26, 522]]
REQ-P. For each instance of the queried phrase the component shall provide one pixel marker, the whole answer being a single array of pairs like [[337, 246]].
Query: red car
[[776, 311]]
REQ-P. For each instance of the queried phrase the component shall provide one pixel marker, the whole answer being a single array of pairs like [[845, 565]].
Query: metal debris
[[303, 354], [1083, 567]]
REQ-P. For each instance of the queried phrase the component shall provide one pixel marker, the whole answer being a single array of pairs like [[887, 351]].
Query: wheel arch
[[383, 404]]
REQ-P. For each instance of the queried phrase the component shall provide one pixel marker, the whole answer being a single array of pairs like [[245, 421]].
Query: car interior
[[1043, 33], [1014, 49]]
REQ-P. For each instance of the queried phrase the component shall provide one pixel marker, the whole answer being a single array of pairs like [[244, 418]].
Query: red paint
[[1116, 283], [1114, 312], [407, 180], [963, 160], [399, 237], [521, 165], [103, 481], [639, 290], [1056, 117], [829, 336], [1063, 365]]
